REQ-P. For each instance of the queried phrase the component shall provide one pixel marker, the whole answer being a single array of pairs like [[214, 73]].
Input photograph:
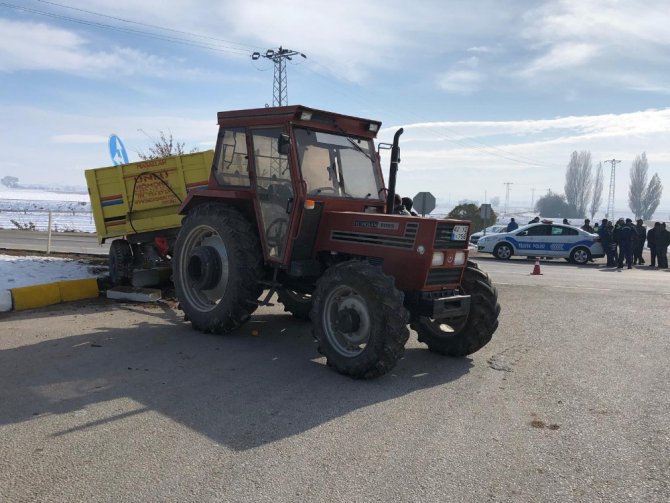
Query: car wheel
[[580, 256], [503, 251]]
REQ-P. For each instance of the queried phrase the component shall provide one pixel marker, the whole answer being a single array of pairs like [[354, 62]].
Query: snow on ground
[[18, 271], [29, 209]]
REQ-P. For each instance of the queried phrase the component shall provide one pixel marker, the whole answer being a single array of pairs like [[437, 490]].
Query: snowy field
[[29, 209]]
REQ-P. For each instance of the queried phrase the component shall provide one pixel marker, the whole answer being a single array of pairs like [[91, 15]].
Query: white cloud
[[34, 46], [78, 138]]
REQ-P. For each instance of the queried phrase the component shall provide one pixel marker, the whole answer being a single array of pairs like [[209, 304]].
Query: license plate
[[460, 233]]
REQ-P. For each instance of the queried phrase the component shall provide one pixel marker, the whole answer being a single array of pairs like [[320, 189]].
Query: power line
[[139, 23], [166, 38]]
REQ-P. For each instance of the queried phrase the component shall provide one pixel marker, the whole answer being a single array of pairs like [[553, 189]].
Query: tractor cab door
[[274, 189]]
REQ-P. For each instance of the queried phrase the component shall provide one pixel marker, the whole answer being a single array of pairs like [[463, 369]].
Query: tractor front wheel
[[359, 319], [217, 268], [463, 336]]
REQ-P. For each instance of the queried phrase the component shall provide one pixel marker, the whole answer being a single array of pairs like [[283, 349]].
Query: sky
[[488, 92]]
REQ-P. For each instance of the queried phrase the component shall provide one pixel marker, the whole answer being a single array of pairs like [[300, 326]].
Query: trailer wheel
[[296, 303], [466, 335], [120, 262], [359, 319], [217, 268]]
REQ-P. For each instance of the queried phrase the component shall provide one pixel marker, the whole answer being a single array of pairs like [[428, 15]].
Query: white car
[[544, 239], [494, 229]]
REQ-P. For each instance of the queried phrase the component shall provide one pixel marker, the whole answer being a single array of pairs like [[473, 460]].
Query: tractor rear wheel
[[217, 268], [120, 262], [359, 319], [296, 303], [465, 335]]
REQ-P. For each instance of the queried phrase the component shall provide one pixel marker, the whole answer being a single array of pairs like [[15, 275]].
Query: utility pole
[[507, 196], [610, 199], [278, 57]]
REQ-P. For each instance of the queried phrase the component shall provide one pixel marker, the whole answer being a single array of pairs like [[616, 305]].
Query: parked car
[[544, 239], [493, 229]]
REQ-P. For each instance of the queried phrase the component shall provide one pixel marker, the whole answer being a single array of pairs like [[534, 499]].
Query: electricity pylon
[[610, 199], [279, 57]]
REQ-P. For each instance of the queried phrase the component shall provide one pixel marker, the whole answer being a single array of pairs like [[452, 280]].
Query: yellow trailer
[[144, 196], [138, 203]]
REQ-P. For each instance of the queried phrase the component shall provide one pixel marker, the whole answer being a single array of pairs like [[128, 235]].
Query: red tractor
[[296, 204]]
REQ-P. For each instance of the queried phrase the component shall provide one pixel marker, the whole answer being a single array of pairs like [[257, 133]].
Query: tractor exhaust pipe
[[393, 171]]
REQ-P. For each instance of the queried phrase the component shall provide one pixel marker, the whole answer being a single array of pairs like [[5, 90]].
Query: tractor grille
[[443, 237], [406, 241], [444, 276]]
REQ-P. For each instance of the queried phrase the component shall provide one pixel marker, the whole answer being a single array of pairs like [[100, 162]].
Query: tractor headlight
[[438, 259], [459, 258]]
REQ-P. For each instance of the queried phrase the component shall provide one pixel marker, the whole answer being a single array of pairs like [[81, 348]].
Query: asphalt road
[[109, 401], [62, 242]]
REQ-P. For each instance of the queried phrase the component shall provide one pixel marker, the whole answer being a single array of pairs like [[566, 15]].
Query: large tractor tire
[[465, 335], [359, 319], [296, 303], [217, 268], [120, 262]]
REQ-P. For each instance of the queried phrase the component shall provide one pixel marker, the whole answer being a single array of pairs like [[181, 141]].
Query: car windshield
[[337, 165]]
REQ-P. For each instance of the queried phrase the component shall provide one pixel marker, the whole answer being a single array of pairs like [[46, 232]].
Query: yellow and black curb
[[31, 297]]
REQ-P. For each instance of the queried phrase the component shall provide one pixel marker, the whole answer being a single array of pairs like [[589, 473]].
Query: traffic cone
[[536, 268]]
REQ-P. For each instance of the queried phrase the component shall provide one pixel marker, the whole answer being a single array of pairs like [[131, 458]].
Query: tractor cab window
[[231, 166], [337, 165], [273, 187]]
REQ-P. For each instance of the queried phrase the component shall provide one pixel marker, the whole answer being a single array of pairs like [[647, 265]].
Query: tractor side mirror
[[283, 144]]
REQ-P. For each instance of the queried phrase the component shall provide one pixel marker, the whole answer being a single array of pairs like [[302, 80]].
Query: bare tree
[[652, 197], [579, 182], [597, 196], [638, 182], [164, 146]]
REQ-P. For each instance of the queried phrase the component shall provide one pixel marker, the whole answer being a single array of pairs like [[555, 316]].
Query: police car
[[544, 239]]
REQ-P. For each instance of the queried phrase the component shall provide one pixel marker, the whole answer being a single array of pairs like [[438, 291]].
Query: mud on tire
[[467, 335], [359, 319], [217, 268]]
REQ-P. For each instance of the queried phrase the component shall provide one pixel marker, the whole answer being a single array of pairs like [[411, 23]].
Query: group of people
[[624, 241]]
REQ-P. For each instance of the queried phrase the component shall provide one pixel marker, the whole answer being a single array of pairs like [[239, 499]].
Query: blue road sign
[[117, 151]]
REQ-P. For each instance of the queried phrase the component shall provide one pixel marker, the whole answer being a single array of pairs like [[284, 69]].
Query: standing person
[[616, 238], [408, 203], [627, 236], [595, 228], [651, 242], [512, 226], [606, 240], [641, 231], [613, 243], [662, 242], [587, 226], [398, 207]]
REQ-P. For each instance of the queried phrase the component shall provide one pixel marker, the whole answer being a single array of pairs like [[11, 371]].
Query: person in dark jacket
[[606, 240], [408, 203], [512, 226], [626, 242], [641, 231], [587, 226], [651, 242], [662, 242], [535, 220], [566, 222]]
